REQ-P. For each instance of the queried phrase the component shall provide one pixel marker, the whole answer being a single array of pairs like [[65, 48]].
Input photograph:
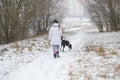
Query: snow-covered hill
[[95, 56]]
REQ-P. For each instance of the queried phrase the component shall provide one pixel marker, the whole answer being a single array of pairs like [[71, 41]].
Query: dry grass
[[99, 50], [30, 48], [73, 76], [16, 45], [117, 69], [80, 73], [88, 77], [20, 48], [71, 73], [85, 74], [79, 60], [32, 44], [108, 67], [3, 50], [103, 75], [108, 70], [114, 52]]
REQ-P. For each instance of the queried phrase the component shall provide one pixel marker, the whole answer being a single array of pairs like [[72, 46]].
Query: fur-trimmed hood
[[55, 25]]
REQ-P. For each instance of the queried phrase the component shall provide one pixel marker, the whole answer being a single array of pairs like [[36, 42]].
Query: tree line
[[105, 14], [20, 19]]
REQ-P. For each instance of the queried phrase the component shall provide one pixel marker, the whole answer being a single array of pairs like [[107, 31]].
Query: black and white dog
[[65, 43]]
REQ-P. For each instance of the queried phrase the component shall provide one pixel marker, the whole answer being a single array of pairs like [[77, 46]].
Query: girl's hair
[[59, 27], [55, 21]]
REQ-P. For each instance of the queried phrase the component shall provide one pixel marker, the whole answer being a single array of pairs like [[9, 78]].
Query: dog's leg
[[63, 48], [69, 49]]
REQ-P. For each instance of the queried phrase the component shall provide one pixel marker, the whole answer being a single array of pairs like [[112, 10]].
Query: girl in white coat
[[55, 34]]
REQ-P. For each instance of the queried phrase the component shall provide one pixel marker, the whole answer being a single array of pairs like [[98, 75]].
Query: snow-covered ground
[[95, 56]]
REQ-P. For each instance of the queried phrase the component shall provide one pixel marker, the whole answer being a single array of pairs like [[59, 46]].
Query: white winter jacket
[[55, 35]]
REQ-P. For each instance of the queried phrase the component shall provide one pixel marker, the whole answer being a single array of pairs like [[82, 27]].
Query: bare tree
[[47, 10], [14, 20], [18, 18], [105, 13]]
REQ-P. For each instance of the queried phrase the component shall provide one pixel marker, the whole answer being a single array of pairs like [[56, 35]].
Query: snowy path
[[45, 67], [84, 62]]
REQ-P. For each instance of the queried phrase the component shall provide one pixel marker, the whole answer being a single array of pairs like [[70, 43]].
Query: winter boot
[[54, 55], [57, 54]]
